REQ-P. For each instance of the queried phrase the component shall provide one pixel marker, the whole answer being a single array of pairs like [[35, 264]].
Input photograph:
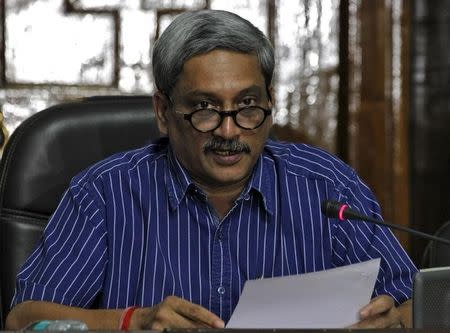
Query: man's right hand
[[174, 312]]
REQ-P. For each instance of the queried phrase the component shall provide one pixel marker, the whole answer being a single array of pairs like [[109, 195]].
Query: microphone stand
[[336, 209], [402, 228]]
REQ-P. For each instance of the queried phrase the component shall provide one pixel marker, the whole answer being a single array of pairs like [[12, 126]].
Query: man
[[171, 232]]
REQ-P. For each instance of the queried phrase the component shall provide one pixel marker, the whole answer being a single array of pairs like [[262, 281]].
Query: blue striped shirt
[[134, 228]]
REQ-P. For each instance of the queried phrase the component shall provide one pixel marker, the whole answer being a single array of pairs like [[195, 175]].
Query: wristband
[[125, 319]]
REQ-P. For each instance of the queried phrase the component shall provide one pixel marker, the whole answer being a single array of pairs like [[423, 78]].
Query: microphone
[[341, 211]]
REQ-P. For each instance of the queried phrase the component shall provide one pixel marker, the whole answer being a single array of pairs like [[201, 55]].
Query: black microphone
[[341, 211]]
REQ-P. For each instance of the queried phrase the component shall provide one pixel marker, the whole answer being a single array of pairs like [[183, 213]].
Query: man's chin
[[229, 179], [223, 174]]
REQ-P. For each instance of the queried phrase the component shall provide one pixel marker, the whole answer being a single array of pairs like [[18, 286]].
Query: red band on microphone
[[341, 212]]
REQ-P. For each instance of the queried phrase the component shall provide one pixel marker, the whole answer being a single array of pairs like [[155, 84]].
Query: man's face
[[223, 80]]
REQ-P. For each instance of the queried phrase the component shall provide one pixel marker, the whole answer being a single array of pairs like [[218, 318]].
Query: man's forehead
[[194, 93], [224, 70]]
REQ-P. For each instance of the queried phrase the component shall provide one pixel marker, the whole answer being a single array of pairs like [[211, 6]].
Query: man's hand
[[381, 313], [174, 312]]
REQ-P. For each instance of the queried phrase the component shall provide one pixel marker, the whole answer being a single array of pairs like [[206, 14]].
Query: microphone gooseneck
[[341, 211]]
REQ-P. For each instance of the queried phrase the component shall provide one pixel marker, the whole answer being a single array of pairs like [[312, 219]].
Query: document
[[325, 299]]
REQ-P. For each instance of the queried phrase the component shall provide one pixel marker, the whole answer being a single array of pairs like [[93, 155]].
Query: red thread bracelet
[[125, 319]]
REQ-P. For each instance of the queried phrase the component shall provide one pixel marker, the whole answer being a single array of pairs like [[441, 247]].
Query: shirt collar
[[178, 180], [262, 181]]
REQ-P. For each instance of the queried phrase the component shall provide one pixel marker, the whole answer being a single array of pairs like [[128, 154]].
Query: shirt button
[[221, 290]]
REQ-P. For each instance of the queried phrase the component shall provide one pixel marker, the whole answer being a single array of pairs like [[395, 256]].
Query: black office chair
[[437, 254], [42, 156]]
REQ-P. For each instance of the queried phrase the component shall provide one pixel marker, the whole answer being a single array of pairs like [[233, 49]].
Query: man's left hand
[[379, 313]]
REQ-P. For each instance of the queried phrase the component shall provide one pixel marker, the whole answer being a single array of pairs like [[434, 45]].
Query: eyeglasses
[[207, 120]]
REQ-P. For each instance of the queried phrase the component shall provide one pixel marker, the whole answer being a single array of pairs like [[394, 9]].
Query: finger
[[164, 316], [397, 325], [180, 321], [377, 305], [186, 322], [381, 313], [374, 322], [200, 314], [196, 313]]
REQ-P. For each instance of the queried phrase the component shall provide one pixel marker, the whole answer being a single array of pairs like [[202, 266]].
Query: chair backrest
[[437, 254], [42, 156]]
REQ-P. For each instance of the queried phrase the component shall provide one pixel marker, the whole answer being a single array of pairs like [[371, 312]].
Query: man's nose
[[228, 128]]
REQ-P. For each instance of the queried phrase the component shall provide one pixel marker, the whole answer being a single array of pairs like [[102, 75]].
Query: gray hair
[[199, 32]]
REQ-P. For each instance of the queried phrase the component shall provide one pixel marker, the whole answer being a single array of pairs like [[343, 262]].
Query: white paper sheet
[[325, 299]]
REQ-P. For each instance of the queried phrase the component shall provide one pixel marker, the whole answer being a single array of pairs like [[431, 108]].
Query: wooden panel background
[[430, 117], [378, 102]]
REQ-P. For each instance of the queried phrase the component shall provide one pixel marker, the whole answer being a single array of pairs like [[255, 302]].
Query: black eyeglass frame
[[224, 114]]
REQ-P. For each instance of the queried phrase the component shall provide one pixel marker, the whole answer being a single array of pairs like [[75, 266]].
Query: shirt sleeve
[[68, 265], [357, 241]]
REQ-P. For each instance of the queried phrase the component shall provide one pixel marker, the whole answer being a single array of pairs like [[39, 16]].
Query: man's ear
[[160, 107], [271, 93], [271, 97]]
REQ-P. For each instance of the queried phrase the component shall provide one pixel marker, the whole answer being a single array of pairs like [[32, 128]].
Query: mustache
[[218, 143]]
